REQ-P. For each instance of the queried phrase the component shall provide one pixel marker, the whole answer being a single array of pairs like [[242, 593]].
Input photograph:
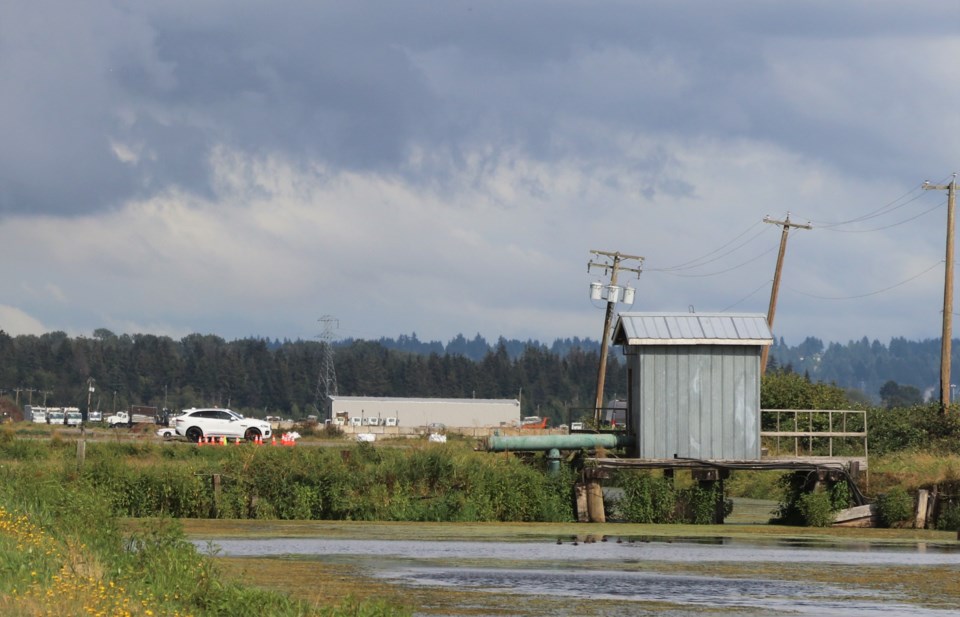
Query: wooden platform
[[793, 463]]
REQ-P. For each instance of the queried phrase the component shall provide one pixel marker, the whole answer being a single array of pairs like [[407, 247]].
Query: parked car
[[196, 424], [167, 432]]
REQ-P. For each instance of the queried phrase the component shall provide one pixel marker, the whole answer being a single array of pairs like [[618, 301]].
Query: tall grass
[[62, 553], [431, 483]]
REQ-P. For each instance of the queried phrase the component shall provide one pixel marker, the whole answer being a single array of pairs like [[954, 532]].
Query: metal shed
[[694, 383]]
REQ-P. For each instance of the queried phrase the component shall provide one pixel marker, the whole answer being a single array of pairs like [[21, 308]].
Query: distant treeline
[[867, 365], [258, 377]]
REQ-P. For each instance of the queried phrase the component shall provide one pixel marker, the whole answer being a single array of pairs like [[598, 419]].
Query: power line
[[884, 209], [872, 293], [740, 265], [897, 224], [699, 261], [762, 285]]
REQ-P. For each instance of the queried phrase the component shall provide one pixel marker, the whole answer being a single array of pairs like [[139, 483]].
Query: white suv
[[196, 424]]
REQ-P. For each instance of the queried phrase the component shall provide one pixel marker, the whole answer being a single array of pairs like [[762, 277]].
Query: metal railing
[[812, 432]]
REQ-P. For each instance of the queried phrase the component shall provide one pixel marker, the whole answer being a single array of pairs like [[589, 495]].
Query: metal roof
[[692, 329]]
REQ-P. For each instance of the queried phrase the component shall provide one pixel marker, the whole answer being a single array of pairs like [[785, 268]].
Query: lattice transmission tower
[[327, 382]]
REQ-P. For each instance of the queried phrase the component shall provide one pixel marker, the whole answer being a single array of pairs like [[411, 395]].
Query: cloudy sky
[[246, 168]]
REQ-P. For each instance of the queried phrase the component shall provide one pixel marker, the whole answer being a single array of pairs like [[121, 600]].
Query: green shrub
[[839, 496], [919, 427], [949, 518], [698, 505], [646, 498], [798, 506], [816, 509], [894, 507]]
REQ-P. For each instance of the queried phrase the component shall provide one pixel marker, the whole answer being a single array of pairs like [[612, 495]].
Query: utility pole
[[947, 334], [90, 389], [786, 225], [611, 264]]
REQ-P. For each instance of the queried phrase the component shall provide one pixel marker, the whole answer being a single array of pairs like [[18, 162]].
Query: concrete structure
[[694, 383], [453, 413]]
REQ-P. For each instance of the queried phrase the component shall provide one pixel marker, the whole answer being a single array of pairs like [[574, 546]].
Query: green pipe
[[498, 443], [553, 461]]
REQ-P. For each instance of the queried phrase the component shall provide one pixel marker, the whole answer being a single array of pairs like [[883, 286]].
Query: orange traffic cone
[[199, 442], [237, 442], [273, 441]]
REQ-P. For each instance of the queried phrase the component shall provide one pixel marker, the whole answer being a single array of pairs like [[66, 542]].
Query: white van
[[55, 416], [356, 422], [391, 421], [371, 421]]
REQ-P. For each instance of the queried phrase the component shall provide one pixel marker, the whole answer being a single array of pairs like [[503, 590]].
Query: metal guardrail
[[806, 428]]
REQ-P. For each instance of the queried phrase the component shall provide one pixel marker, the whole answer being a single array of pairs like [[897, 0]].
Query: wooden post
[[920, 518], [595, 501], [215, 481], [580, 491], [81, 453]]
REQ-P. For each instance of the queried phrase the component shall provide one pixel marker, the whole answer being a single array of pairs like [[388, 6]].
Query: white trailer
[[122, 418]]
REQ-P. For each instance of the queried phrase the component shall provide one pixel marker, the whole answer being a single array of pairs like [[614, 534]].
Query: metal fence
[[815, 432]]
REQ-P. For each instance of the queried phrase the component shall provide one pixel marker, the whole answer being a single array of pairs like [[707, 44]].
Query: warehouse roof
[[692, 329]]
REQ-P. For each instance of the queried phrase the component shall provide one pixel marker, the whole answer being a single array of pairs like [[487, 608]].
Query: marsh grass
[[913, 470], [426, 482], [62, 552]]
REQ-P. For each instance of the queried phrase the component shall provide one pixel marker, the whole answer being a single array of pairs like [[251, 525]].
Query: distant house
[[694, 383]]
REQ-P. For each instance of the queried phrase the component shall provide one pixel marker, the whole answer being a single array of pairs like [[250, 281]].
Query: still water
[[625, 571]]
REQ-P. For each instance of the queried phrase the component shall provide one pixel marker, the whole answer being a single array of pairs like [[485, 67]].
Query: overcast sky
[[246, 168]]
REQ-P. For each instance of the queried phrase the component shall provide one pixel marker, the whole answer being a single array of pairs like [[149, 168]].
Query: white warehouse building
[[420, 412]]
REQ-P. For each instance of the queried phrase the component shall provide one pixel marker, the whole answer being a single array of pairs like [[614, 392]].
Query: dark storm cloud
[[105, 101]]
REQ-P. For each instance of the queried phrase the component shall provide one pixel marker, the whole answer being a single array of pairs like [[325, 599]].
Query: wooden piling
[[215, 483], [81, 453], [580, 491], [920, 516], [595, 501]]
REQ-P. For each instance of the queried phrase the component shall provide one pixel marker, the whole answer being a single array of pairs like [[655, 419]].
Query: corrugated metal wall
[[462, 413], [696, 401]]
